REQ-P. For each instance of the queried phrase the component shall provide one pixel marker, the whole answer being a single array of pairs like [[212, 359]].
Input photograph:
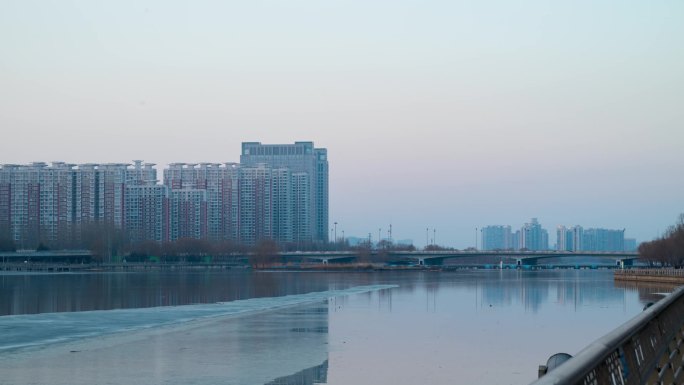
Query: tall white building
[[220, 185], [577, 238], [36, 202], [255, 219], [533, 236], [282, 199], [301, 206], [310, 164], [147, 212], [279, 192], [496, 238]]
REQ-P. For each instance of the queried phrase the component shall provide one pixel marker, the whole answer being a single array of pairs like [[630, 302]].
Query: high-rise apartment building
[[604, 240], [52, 203], [36, 202], [6, 202], [533, 236], [516, 240], [220, 185], [282, 197], [569, 239], [147, 212], [496, 238], [310, 165], [255, 204], [188, 213], [141, 173], [630, 244], [563, 239], [279, 192], [301, 208], [577, 238]]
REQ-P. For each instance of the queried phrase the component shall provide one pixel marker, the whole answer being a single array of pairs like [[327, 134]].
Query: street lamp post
[[335, 232], [427, 237]]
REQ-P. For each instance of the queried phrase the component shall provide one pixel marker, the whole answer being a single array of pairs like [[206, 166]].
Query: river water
[[287, 328]]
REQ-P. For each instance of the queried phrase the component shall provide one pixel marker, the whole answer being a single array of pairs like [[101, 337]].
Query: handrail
[[651, 272], [641, 351]]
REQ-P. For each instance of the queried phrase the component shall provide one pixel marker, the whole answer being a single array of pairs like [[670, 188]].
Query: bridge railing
[[645, 350]]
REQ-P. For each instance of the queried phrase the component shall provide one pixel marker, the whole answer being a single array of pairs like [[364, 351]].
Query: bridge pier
[[622, 263]]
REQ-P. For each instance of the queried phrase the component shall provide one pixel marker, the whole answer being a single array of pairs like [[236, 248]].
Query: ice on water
[[35, 330]]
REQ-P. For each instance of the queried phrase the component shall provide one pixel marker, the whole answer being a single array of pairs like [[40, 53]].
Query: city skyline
[[281, 187], [533, 236], [440, 115], [277, 192]]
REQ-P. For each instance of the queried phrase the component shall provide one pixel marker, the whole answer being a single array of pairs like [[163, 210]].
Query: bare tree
[[667, 250], [265, 254]]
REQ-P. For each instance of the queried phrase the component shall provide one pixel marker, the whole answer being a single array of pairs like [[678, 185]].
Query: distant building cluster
[[532, 236], [277, 192]]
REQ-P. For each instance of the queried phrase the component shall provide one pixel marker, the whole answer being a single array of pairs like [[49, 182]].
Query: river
[[284, 328]]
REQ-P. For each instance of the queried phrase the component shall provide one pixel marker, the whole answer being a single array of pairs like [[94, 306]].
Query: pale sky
[[436, 114]]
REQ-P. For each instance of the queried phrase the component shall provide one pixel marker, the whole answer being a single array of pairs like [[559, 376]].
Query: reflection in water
[[296, 337], [314, 375], [50, 293], [535, 289], [424, 331], [648, 291], [43, 293]]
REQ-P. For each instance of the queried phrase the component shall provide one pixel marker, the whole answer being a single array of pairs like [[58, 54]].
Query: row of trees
[[108, 243], [668, 250]]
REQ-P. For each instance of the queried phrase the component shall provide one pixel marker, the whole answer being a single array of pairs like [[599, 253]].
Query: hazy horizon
[[446, 115]]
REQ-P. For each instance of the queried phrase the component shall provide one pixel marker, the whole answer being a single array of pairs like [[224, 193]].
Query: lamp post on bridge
[[427, 237], [335, 232]]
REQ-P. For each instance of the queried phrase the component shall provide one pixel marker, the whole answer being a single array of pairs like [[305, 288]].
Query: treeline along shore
[[666, 253]]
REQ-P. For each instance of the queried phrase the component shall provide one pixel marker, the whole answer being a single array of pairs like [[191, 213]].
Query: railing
[[651, 272], [645, 350]]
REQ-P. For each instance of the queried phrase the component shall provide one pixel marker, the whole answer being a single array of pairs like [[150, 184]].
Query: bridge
[[523, 258], [57, 256], [645, 350], [419, 257]]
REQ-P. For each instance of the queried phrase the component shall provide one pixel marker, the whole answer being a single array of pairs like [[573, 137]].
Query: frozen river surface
[[243, 328]]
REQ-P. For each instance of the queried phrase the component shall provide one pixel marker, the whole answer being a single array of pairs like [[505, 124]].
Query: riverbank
[[19, 268], [675, 276]]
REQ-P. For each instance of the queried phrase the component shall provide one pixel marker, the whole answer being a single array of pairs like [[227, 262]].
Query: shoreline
[[674, 276], [358, 268]]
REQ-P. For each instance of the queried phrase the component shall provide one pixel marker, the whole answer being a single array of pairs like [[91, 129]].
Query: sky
[[440, 115]]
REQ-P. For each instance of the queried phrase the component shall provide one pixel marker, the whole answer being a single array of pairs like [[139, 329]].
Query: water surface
[[461, 327]]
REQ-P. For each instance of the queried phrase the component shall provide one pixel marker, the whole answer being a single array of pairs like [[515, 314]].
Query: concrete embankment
[[651, 275]]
